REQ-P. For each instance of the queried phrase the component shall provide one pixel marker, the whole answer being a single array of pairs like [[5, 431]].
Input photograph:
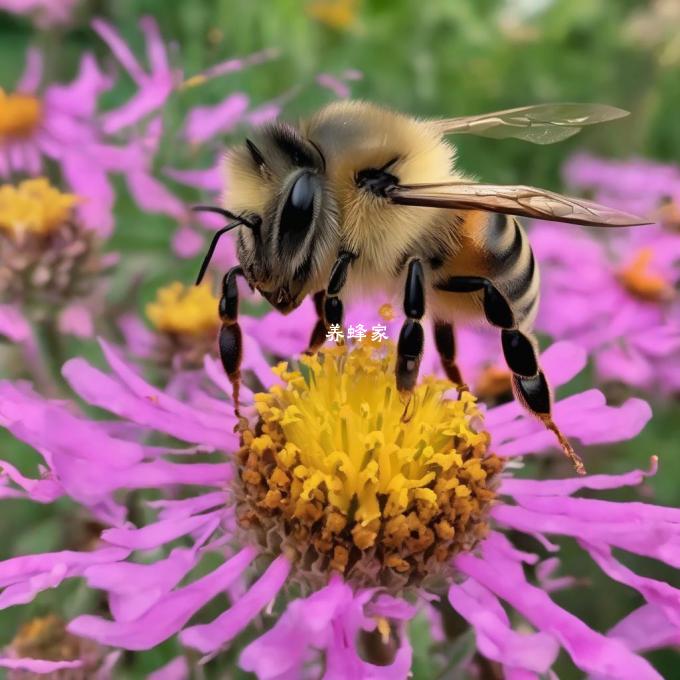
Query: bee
[[361, 199]]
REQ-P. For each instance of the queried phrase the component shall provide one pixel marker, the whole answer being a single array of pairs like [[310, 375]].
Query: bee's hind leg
[[230, 338], [528, 380], [411, 337]]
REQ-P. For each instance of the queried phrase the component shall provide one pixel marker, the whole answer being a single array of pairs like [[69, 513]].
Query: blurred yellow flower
[[338, 14]]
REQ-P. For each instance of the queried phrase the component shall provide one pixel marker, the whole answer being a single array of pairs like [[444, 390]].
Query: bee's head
[[278, 180]]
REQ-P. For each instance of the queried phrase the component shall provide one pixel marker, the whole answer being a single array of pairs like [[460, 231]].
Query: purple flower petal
[[76, 319], [495, 638], [176, 669], [645, 629], [212, 636], [39, 666], [169, 615], [134, 588], [24, 577], [13, 324], [33, 70], [205, 122], [590, 651], [304, 623]]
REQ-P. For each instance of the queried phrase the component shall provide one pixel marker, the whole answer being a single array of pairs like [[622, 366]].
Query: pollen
[[493, 383], [34, 207], [185, 310], [20, 114], [332, 469], [638, 279]]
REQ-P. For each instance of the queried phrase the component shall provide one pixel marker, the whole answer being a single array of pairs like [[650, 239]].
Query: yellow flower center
[[338, 14], [20, 114], [46, 637], [351, 484], [34, 206], [185, 310], [638, 280]]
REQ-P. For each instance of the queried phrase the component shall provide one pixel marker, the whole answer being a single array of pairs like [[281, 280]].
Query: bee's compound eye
[[302, 194]]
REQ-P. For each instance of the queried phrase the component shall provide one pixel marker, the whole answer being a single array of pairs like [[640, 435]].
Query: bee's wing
[[513, 200], [540, 124]]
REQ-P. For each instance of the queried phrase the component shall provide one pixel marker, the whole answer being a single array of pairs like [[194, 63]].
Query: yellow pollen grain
[[20, 114], [34, 206], [184, 310], [638, 279]]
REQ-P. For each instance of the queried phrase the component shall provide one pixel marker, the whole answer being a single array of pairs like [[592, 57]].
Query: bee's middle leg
[[411, 337], [528, 380]]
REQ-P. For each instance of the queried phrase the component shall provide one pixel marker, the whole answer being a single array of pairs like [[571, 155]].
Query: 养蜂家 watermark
[[378, 332]]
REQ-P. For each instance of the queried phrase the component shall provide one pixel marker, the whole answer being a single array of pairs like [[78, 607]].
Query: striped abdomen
[[512, 266]]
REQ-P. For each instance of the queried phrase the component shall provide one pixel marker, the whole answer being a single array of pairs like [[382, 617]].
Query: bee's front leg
[[230, 339], [333, 311], [411, 337]]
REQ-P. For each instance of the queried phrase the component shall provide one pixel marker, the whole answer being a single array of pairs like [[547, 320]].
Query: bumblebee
[[360, 199]]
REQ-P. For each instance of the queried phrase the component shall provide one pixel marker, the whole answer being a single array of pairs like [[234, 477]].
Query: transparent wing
[[513, 200], [540, 124]]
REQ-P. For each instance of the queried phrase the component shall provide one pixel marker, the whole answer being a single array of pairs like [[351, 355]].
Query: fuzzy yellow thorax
[[20, 114], [333, 458], [338, 14], [184, 310], [34, 207]]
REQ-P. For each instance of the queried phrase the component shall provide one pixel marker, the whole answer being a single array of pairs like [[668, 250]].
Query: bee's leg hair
[[529, 384], [445, 340], [230, 339], [411, 337]]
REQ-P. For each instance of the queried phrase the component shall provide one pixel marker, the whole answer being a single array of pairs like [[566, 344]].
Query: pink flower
[[60, 123], [622, 305], [45, 12], [151, 599]]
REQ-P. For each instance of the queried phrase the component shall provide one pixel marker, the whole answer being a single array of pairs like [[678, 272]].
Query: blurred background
[[434, 58]]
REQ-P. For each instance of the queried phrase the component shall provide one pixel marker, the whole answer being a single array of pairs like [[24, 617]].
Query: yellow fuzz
[[638, 280], [333, 457], [184, 310], [20, 114], [34, 206]]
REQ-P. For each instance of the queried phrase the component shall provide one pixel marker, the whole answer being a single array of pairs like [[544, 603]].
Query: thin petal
[[212, 636], [590, 651], [169, 615]]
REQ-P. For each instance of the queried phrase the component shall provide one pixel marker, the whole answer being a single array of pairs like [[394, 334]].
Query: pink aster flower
[[60, 123], [624, 305], [302, 503], [46, 13]]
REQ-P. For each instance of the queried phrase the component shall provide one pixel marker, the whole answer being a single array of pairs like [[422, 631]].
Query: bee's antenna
[[218, 234], [221, 211]]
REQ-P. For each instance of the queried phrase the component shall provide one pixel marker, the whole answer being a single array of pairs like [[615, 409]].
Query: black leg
[[445, 341], [411, 337], [332, 307], [318, 336], [529, 384], [230, 339]]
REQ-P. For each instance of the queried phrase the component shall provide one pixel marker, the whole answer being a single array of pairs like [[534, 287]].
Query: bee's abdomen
[[512, 265]]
